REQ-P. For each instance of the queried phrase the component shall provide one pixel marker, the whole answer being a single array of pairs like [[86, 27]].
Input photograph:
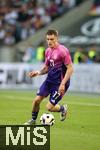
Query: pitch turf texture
[[80, 131]]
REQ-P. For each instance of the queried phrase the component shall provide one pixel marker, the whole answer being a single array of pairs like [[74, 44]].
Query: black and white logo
[[91, 28]]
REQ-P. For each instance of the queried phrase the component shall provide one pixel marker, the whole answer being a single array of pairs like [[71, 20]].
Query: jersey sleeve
[[66, 57]]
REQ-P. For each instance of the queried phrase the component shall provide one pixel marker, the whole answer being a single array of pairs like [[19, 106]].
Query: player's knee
[[36, 102]]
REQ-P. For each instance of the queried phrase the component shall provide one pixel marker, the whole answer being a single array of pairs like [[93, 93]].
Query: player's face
[[52, 40]]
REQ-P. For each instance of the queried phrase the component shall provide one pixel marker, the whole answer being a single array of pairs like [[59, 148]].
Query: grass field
[[80, 131]]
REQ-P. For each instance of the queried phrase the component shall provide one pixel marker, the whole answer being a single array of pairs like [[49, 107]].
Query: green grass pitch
[[80, 131]]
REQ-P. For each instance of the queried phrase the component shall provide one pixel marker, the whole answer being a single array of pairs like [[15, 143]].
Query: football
[[47, 119]]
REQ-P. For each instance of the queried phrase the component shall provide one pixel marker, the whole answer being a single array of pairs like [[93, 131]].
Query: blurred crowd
[[20, 19], [87, 55], [95, 10], [80, 54]]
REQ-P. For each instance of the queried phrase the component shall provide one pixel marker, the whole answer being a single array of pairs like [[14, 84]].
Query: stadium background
[[79, 28]]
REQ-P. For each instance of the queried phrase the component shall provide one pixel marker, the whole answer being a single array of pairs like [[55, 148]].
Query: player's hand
[[33, 74], [61, 89]]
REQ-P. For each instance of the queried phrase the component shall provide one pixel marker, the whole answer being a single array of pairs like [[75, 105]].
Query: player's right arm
[[43, 71]]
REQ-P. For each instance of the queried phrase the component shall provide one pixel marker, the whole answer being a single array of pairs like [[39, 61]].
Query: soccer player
[[58, 67]]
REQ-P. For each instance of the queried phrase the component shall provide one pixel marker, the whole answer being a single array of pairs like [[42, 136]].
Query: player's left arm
[[68, 73], [67, 76]]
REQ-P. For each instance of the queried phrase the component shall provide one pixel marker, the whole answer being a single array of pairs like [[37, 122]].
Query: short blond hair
[[52, 31]]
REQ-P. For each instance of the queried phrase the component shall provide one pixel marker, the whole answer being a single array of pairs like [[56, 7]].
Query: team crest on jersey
[[51, 62]]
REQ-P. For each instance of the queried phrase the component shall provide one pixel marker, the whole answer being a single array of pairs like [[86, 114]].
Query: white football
[[47, 119]]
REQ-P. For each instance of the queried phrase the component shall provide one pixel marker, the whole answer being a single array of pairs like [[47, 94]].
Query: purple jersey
[[57, 59]]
